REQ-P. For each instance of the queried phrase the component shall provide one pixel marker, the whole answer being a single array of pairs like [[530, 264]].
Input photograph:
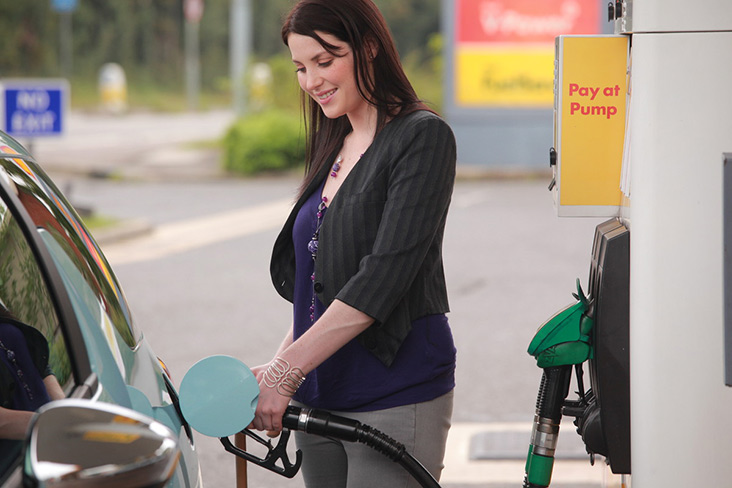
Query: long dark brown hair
[[359, 24]]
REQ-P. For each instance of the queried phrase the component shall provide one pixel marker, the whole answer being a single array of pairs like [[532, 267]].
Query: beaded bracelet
[[283, 378]]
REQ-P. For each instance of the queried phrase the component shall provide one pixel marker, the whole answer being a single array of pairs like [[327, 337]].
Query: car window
[[53, 214], [109, 357], [32, 347]]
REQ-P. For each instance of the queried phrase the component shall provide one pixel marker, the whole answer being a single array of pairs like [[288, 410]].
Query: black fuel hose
[[322, 423]]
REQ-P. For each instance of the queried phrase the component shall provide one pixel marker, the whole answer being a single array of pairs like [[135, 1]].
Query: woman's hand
[[258, 371], [280, 379], [270, 409]]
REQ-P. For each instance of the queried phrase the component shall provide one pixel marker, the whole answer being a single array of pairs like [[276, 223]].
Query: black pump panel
[[610, 368]]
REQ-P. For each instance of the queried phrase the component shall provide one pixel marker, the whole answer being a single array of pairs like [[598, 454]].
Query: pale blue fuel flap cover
[[218, 396]]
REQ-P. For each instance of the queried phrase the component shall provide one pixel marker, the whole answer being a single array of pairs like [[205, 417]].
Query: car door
[[29, 304], [72, 296]]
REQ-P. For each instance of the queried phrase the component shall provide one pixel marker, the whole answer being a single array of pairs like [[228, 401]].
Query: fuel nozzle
[[560, 343]]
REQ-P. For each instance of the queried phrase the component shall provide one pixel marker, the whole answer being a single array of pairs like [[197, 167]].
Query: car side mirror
[[79, 443]]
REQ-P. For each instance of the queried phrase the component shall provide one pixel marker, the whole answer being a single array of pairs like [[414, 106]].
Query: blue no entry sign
[[34, 107]]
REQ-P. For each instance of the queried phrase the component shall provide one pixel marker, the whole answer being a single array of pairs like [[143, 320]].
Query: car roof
[[17, 148]]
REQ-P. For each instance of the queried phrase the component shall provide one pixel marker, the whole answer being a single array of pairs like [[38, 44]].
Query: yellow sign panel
[[504, 76], [592, 89]]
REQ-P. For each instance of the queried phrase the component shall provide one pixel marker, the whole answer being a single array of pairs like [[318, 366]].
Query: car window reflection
[[106, 353], [52, 213], [34, 364]]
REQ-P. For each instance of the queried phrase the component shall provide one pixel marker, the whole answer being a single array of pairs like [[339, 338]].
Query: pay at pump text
[[592, 91], [576, 108]]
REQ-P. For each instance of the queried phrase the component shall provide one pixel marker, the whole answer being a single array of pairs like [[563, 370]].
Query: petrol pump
[[643, 135]]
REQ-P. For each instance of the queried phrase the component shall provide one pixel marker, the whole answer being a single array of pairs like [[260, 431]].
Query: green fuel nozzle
[[560, 343]]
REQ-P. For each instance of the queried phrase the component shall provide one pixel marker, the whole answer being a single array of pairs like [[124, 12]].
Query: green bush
[[266, 141], [284, 83]]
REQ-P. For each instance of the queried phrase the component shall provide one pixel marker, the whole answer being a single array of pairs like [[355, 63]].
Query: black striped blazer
[[380, 245]]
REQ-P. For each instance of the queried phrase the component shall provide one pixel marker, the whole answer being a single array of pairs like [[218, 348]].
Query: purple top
[[29, 392], [26, 382], [353, 379]]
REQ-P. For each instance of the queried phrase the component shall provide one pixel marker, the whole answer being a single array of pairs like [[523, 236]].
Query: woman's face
[[328, 79]]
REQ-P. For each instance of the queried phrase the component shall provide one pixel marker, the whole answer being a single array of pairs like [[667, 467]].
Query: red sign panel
[[524, 21]]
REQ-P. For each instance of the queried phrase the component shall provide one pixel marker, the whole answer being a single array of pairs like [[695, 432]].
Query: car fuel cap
[[218, 396]]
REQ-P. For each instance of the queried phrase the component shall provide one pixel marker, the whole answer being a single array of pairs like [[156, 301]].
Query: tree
[[146, 37]]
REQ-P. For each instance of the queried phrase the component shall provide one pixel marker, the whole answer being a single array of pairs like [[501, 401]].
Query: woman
[[360, 256]]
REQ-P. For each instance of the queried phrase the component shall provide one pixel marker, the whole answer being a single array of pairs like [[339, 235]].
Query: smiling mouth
[[323, 96]]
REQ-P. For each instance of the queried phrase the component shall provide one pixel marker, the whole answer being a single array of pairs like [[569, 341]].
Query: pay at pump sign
[[34, 107]]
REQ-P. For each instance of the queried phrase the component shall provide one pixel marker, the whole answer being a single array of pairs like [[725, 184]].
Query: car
[[115, 419]]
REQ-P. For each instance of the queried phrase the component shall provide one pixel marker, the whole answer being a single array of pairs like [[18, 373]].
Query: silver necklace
[[313, 244]]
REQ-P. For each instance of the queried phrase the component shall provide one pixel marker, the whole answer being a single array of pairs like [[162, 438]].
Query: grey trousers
[[421, 427]]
